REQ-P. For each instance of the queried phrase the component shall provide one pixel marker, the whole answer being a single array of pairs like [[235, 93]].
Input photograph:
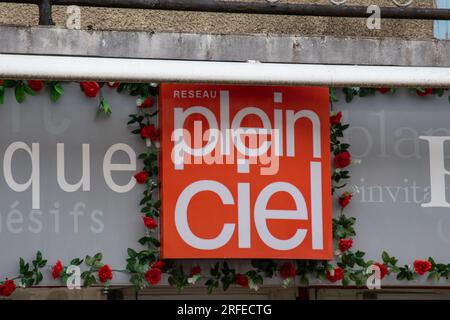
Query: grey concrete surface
[[220, 47]]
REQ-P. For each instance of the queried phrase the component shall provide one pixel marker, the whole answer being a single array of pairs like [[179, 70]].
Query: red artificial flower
[[345, 199], [242, 280], [384, 271], [384, 90], [105, 273], [345, 244], [147, 103], [114, 84], [342, 159], [149, 132], [338, 275], [7, 288], [57, 269], [150, 223], [153, 276], [195, 270], [159, 265], [424, 93], [422, 266], [141, 177], [90, 89], [1, 82], [336, 119], [36, 85], [287, 270]]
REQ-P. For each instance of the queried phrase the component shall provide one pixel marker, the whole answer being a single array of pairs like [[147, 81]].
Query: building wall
[[171, 21]]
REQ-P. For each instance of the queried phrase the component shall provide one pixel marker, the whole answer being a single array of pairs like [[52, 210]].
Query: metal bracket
[[45, 13]]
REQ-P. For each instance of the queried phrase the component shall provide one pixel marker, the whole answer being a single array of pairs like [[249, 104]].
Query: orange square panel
[[245, 172]]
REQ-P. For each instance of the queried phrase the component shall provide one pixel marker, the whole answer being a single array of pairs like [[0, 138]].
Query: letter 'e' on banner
[[245, 172]]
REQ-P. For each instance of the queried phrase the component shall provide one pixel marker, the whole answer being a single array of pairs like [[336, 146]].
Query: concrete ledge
[[188, 46]]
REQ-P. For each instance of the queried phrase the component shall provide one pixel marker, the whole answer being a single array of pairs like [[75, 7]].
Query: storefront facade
[[89, 168]]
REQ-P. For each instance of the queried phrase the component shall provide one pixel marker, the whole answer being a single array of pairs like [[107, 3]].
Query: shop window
[[441, 27]]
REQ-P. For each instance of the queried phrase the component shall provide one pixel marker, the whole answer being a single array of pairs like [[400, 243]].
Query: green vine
[[145, 267]]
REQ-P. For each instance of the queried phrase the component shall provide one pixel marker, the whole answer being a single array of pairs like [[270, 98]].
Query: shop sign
[[245, 172]]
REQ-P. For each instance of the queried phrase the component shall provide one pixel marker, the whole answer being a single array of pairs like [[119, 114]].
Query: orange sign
[[245, 172]]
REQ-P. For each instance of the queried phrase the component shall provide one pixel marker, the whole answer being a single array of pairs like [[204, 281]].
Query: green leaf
[[76, 262], [420, 89], [89, 280], [131, 253], [433, 264], [350, 93], [142, 156], [439, 91], [56, 91], [39, 278], [226, 283], [98, 256], [28, 90], [22, 267], [89, 260], [2, 94], [345, 281], [385, 257], [225, 268], [19, 93], [304, 279], [155, 242], [10, 83], [333, 97], [58, 88], [143, 240], [215, 271], [366, 91], [104, 107], [42, 263]]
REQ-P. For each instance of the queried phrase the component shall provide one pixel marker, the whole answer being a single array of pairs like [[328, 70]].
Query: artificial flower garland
[[145, 268]]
